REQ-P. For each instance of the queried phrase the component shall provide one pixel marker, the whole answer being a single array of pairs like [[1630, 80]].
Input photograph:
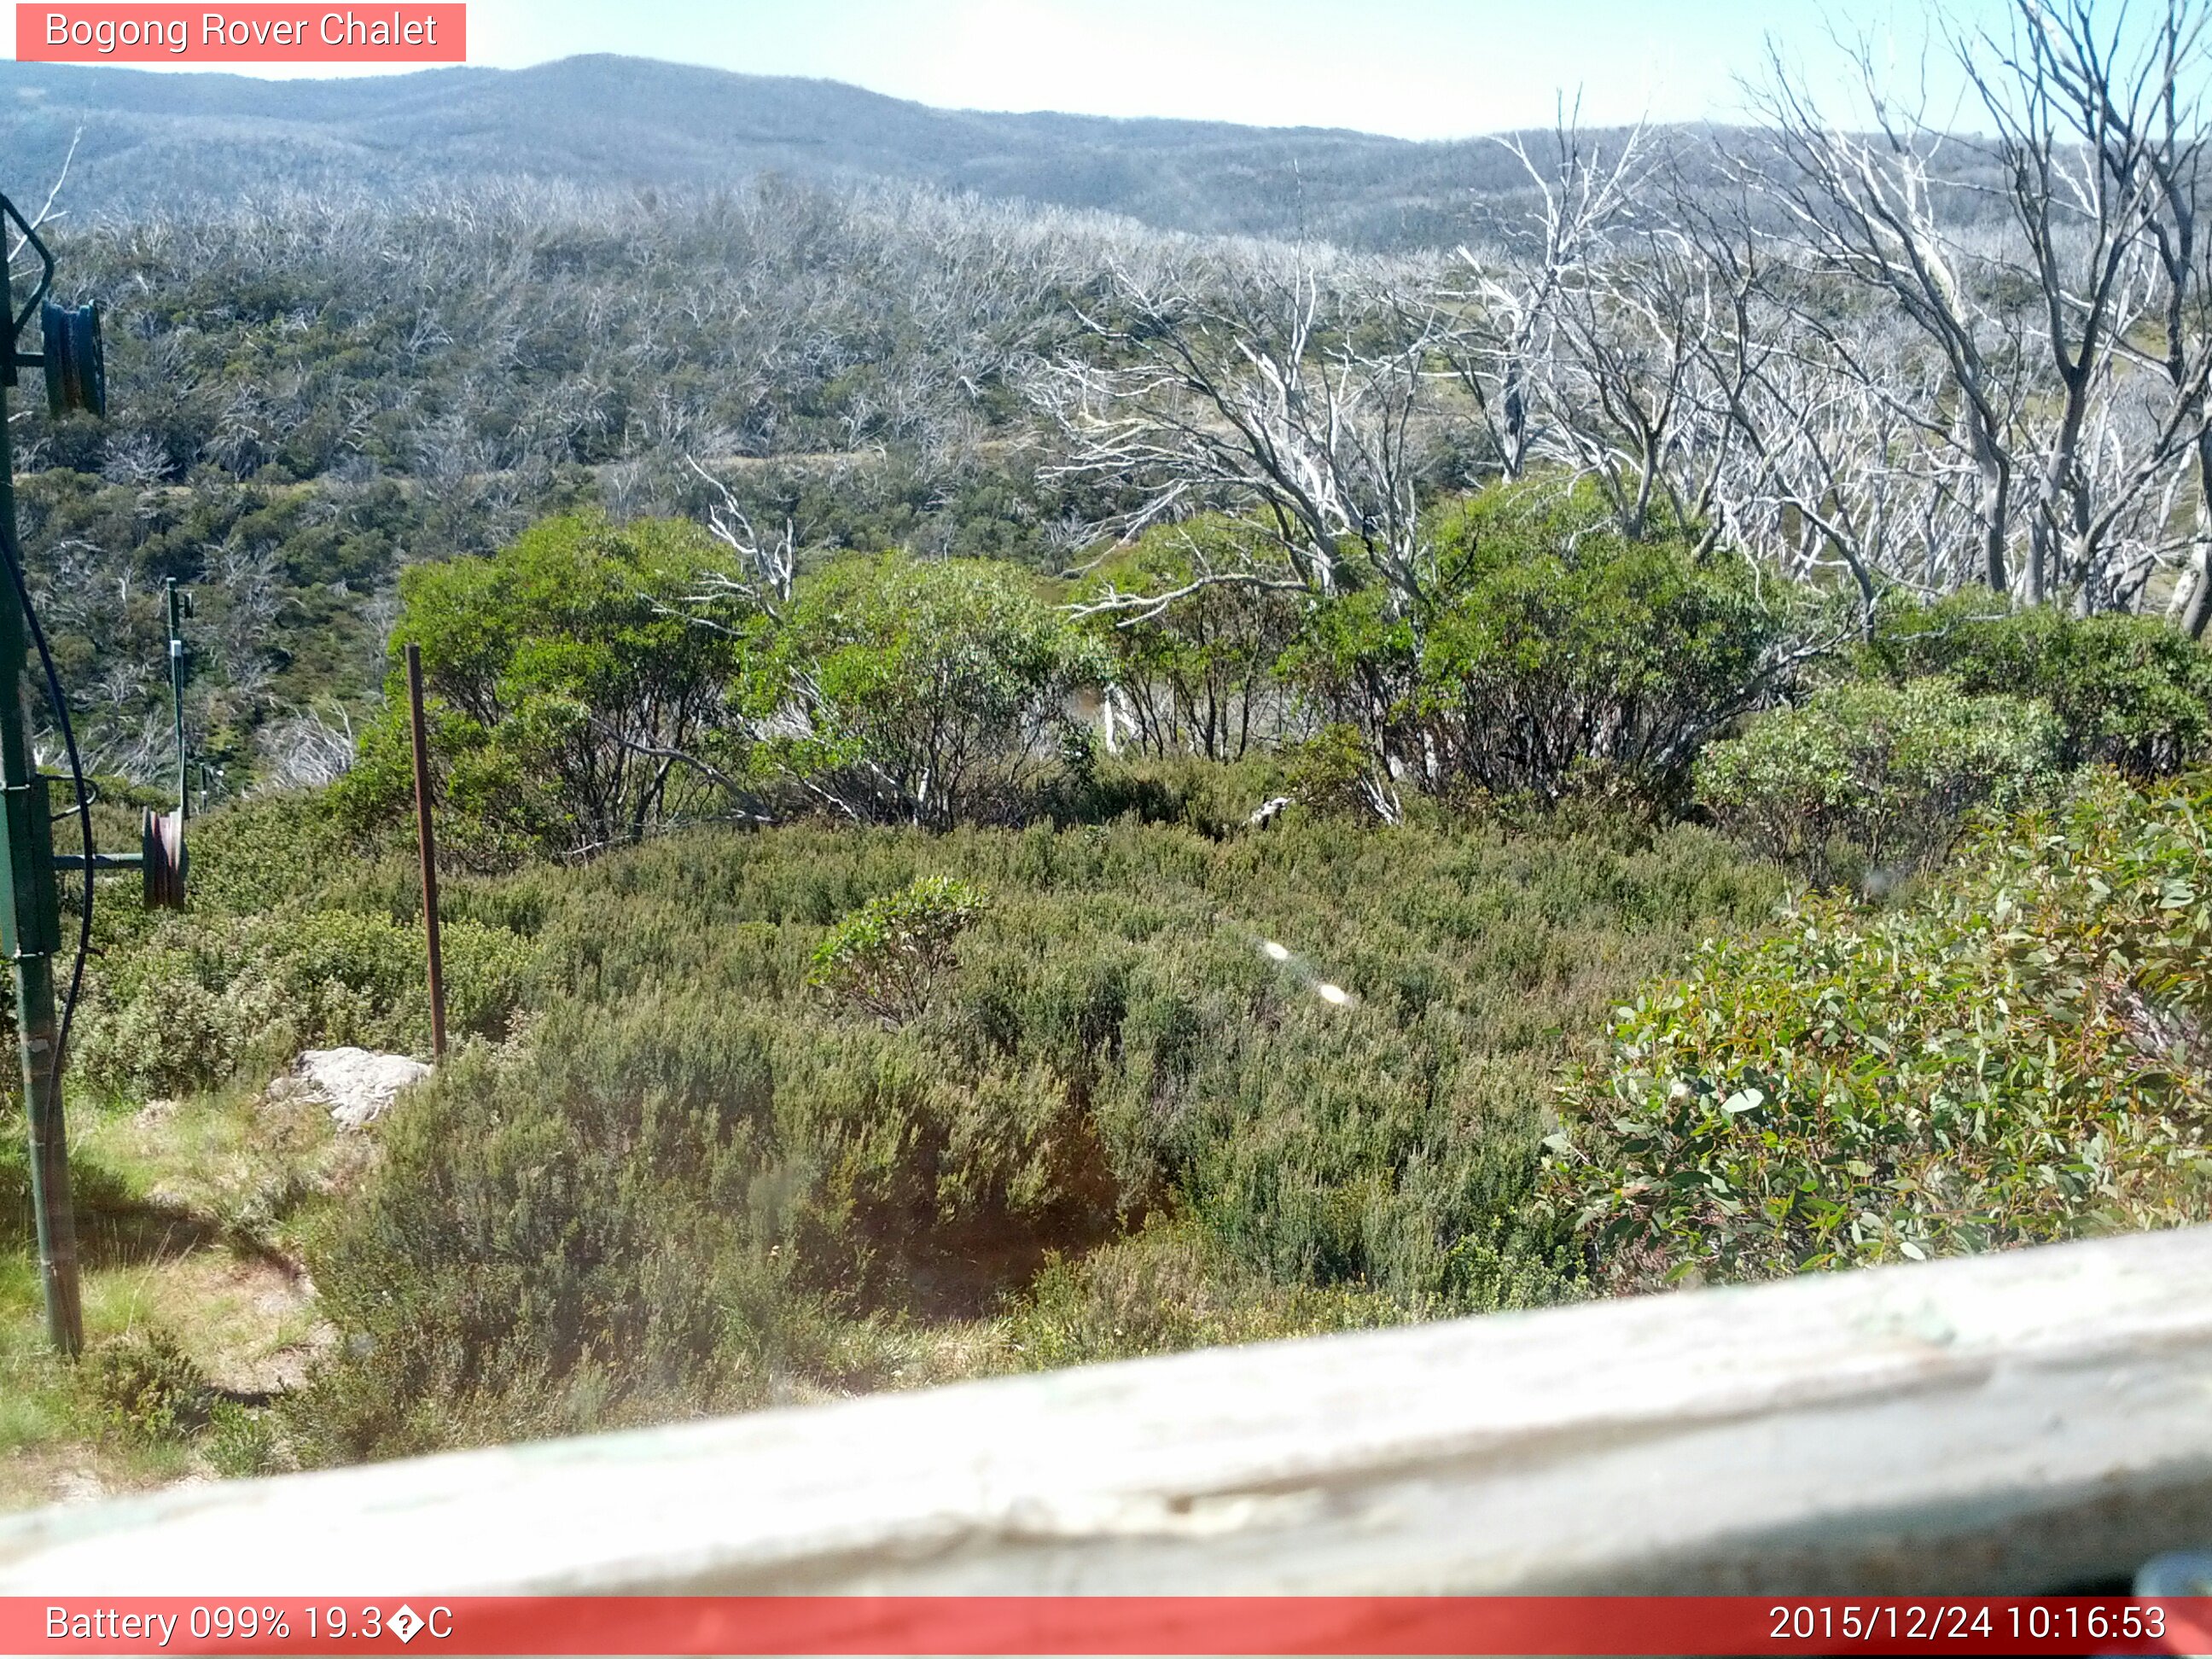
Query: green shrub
[[1861, 779], [1565, 649], [1170, 1286], [676, 1199], [1333, 771], [339, 976], [1213, 798], [2128, 691], [696, 1185], [889, 955], [903, 691], [1554, 657], [192, 998], [1196, 675], [144, 1387], [254, 854], [566, 674], [241, 1443], [2022, 1054]]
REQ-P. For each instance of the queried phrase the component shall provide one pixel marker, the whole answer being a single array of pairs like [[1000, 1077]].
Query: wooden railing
[[2033, 1421]]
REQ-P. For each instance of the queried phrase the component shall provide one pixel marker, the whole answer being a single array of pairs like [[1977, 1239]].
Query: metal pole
[[177, 695], [30, 923], [429, 852]]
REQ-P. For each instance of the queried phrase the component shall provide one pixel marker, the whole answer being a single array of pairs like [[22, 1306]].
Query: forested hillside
[[1019, 786], [307, 398], [147, 141]]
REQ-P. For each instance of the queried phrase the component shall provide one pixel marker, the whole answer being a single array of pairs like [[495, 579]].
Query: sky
[[1414, 69]]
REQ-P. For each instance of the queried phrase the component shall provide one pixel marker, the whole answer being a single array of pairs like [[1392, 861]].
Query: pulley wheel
[[77, 362], [162, 838]]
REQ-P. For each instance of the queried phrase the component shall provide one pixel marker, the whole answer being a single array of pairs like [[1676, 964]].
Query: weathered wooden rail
[[2027, 1422]]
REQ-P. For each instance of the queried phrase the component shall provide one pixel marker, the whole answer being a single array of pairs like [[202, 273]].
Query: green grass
[[175, 1237]]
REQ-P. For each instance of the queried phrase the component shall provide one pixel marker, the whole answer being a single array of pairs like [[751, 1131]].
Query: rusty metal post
[[429, 852]]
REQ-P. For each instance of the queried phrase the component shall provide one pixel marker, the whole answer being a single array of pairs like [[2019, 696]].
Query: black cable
[[11, 555], [7, 553]]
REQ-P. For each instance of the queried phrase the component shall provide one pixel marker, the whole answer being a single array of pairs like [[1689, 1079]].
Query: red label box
[[299, 33], [1000, 1626]]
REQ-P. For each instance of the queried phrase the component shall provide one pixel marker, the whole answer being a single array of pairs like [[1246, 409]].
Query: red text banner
[[127, 34], [1105, 1624]]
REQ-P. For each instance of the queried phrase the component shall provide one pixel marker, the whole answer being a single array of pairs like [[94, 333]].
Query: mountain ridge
[[147, 140]]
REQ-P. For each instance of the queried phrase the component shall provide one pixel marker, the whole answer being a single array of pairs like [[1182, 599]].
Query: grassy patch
[[188, 1272]]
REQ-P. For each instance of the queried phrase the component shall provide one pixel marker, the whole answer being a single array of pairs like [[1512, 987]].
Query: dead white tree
[[1503, 305], [2071, 333], [1845, 465], [2144, 115], [308, 747], [1635, 335], [766, 564], [2073, 105], [1270, 387], [1868, 200]]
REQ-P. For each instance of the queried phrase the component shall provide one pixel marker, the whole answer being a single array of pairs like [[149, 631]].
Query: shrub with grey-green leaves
[[2016, 1054], [189, 1001], [2128, 691], [890, 955], [1876, 781]]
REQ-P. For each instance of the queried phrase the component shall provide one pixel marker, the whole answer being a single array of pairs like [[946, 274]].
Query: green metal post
[[30, 923], [177, 693]]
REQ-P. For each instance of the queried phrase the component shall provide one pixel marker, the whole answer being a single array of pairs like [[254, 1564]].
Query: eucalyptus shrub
[[908, 691], [1551, 656], [579, 683], [2128, 691], [1196, 674], [2022, 1054], [1872, 780], [890, 955], [1605, 657]]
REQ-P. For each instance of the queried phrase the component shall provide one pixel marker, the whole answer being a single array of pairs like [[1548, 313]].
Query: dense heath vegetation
[[1017, 791], [835, 1011]]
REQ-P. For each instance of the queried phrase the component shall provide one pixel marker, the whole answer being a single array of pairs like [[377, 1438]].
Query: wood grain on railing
[[2031, 1421]]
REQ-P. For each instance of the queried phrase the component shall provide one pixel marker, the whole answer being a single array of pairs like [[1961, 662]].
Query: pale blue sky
[[1419, 69]]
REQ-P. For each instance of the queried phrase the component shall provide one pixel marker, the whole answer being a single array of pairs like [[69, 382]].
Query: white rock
[[357, 1084]]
